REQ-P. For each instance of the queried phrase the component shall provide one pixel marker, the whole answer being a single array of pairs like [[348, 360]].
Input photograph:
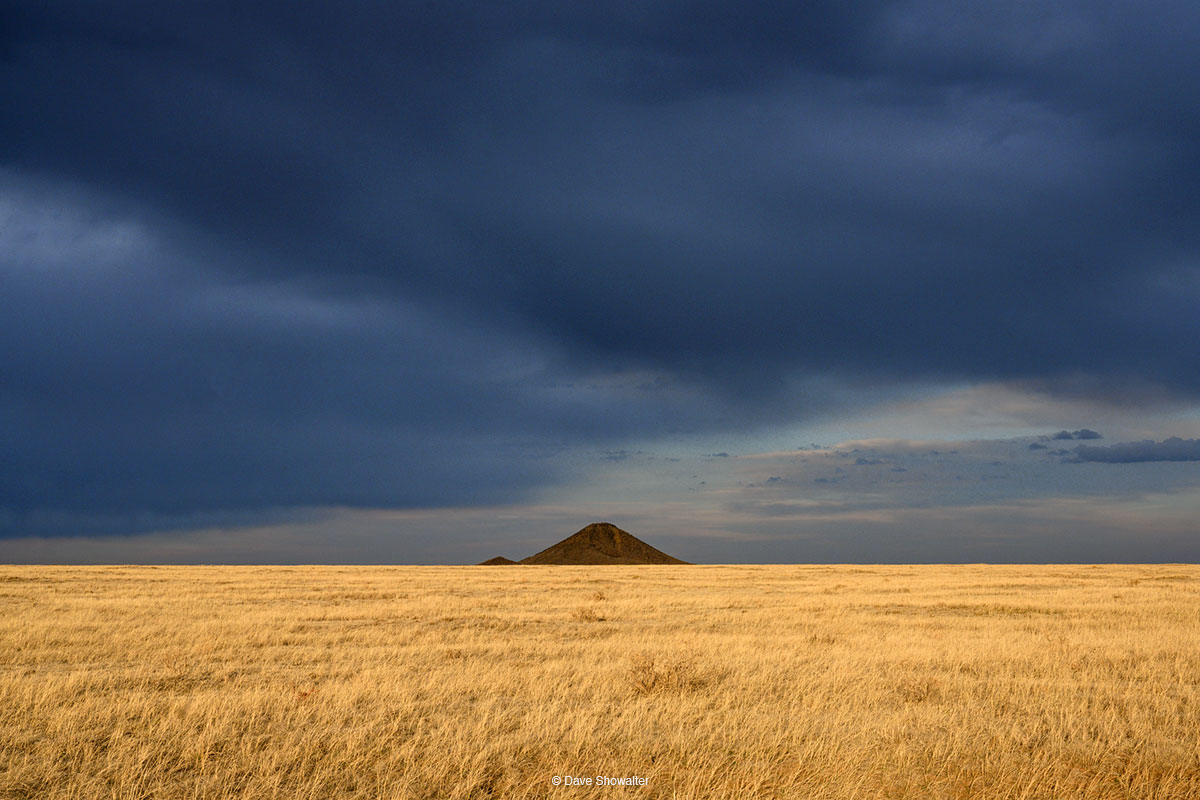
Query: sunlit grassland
[[710, 682]]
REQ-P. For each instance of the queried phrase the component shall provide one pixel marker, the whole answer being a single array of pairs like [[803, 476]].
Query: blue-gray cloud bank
[[408, 255], [1173, 449]]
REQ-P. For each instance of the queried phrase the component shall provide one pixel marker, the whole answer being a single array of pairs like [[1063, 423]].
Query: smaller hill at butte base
[[598, 543]]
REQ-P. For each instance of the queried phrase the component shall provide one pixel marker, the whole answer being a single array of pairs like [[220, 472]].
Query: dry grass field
[[320, 683]]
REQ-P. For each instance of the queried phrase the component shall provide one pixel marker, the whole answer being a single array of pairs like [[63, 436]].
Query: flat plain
[[322, 683]]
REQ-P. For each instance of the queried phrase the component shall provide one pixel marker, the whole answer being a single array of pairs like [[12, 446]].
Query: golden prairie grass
[[323, 683]]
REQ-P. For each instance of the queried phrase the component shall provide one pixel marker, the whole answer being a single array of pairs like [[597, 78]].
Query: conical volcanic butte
[[601, 543]]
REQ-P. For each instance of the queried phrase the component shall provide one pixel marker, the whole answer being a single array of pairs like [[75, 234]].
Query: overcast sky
[[421, 283]]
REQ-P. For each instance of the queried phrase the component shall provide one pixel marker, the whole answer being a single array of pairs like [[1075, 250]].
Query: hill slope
[[601, 543], [498, 561]]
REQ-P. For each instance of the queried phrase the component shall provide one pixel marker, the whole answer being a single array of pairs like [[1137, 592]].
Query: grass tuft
[[654, 674], [586, 615]]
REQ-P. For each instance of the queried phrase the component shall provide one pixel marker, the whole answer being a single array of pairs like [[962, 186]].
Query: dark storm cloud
[[408, 253], [1067, 436], [141, 393], [1173, 449]]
